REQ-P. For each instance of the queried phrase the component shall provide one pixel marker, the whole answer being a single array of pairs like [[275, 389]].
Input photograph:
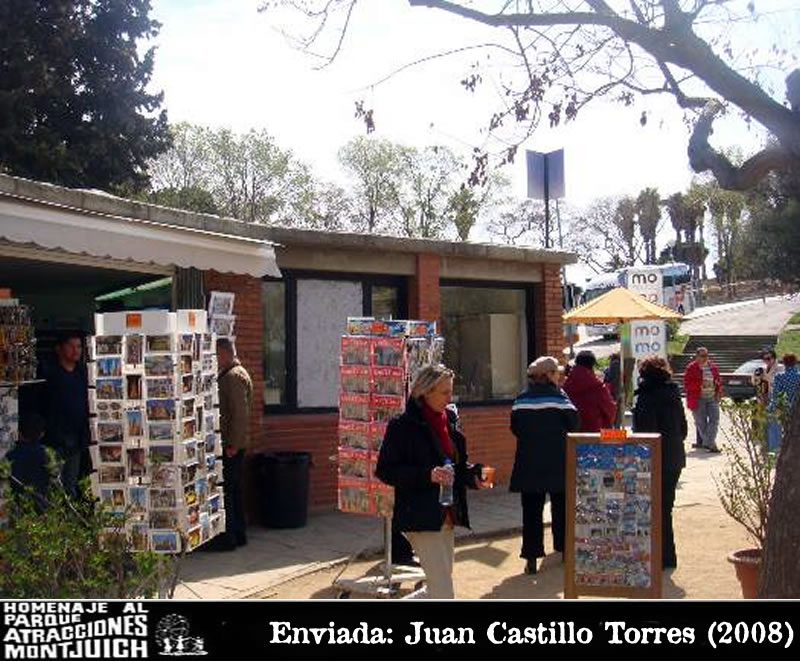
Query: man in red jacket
[[703, 387], [595, 406]]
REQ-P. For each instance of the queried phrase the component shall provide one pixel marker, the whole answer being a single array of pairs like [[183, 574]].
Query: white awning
[[147, 242]]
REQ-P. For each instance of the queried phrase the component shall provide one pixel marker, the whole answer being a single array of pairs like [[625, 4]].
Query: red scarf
[[438, 421]]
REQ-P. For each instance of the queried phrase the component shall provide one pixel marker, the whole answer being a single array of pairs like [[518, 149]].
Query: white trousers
[[435, 552]]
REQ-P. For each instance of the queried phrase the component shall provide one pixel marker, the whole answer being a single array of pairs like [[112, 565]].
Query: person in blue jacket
[[541, 417]]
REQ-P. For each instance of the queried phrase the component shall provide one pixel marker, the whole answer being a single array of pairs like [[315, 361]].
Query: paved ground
[[303, 563], [746, 318]]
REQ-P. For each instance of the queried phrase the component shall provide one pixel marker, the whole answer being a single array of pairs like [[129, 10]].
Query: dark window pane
[[486, 341], [385, 302], [274, 302]]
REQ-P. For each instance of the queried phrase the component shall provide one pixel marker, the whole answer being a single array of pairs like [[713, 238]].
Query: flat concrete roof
[[98, 202]]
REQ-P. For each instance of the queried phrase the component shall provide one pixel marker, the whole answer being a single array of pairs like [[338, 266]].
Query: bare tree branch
[[704, 157]]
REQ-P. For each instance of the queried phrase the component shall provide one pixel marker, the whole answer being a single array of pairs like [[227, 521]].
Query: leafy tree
[[564, 55], [74, 105], [726, 208], [245, 176], [601, 239], [648, 210], [464, 207], [520, 223], [625, 220], [375, 167]]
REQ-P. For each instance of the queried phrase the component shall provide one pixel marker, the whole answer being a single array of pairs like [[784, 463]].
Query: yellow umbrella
[[619, 305]]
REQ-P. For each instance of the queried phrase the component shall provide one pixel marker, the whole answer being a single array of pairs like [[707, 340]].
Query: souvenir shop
[[69, 254]]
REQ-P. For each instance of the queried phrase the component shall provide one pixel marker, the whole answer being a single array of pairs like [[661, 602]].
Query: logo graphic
[[172, 637]]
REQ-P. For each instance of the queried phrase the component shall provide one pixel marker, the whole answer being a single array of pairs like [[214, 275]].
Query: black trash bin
[[284, 489]]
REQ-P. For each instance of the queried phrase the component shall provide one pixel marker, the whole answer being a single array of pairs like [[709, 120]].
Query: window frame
[[530, 324], [290, 278]]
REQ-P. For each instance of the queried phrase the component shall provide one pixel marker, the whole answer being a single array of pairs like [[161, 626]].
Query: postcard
[[160, 410], [108, 345], [133, 387], [165, 541], [109, 433], [160, 387], [134, 349], [159, 344], [158, 366], [135, 426], [109, 389], [137, 462]]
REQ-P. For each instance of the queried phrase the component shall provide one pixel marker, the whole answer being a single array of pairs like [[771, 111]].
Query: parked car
[[738, 385]]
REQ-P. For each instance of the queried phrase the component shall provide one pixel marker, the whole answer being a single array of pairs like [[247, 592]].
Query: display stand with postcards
[[613, 515], [155, 426], [17, 370], [379, 361]]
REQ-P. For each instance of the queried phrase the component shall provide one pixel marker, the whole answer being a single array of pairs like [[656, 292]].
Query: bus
[[677, 283]]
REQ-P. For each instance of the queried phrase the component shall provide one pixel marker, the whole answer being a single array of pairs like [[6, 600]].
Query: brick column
[[249, 332], [423, 290], [547, 310]]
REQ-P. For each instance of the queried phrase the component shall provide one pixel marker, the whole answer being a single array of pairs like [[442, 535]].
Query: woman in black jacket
[[417, 446], [541, 417], [659, 409]]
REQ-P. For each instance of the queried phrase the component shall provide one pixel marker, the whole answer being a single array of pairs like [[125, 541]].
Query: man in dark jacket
[[659, 409], [65, 409], [235, 402], [541, 417], [588, 394]]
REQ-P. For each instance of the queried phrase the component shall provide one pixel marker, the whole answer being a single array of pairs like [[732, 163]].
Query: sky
[[221, 63]]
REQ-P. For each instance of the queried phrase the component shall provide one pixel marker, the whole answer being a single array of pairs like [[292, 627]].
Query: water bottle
[[446, 491]]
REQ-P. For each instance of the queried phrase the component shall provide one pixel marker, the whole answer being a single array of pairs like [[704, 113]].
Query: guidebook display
[[17, 367], [379, 361], [613, 515], [155, 426]]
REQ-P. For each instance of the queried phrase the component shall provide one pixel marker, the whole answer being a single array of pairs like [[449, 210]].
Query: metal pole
[[564, 276], [387, 546], [546, 203]]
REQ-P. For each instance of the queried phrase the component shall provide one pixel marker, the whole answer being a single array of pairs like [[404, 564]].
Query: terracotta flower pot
[[747, 563]]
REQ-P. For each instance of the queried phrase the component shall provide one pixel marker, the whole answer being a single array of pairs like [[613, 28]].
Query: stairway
[[727, 352]]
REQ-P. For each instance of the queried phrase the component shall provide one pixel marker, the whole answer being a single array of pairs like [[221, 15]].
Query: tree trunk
[[780, 565]]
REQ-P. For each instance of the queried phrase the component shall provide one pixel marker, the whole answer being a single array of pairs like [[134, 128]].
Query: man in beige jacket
[[235, 402]]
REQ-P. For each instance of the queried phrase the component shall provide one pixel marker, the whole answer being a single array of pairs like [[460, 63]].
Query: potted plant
[[745, 483]]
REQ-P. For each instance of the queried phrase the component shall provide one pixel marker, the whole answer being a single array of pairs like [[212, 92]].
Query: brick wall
[[547, 313], [423, 289], [489, 441]]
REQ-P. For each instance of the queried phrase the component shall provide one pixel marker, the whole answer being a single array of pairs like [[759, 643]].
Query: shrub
[[63, 548]]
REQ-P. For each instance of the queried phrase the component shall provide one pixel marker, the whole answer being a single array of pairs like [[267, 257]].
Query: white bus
[[677, 283]]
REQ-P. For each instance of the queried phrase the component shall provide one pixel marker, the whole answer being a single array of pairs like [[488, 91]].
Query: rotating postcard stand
[[379, 361]]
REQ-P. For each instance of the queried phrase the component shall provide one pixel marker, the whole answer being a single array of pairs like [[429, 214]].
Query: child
[[29, 458]]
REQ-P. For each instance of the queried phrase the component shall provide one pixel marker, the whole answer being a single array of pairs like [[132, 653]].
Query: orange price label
[[133, 320], [613, 434], [192, 320]]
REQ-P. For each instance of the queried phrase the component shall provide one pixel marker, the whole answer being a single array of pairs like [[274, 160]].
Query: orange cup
[[487, 475]]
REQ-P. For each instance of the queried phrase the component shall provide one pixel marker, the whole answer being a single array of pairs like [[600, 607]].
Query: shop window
[[273, 300], [486, 340], [322, 310], [304, 319], [385, 302]]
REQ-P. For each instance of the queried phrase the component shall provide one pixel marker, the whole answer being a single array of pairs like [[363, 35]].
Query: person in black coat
[[416, 447], [541, 417], [659, 409]]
